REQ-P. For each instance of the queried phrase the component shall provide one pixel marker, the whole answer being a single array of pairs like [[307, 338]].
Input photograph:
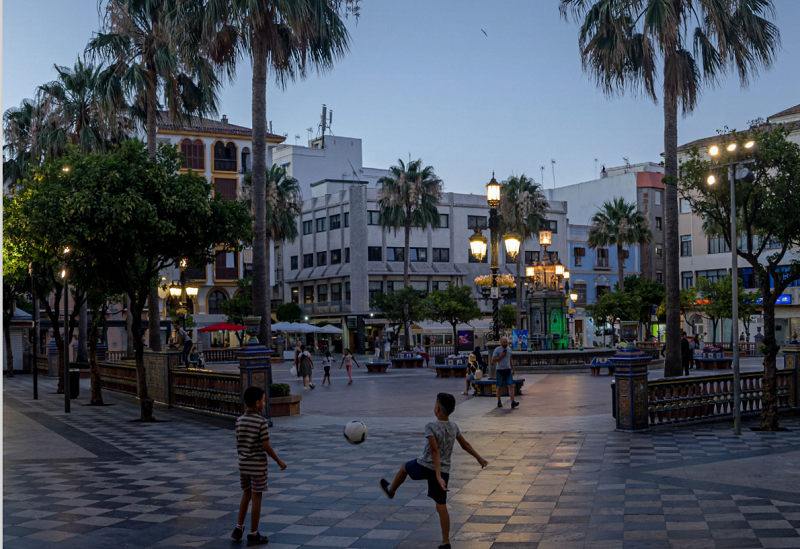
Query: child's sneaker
[[256, 539], [238, 532], [444, 546], [385, 488]]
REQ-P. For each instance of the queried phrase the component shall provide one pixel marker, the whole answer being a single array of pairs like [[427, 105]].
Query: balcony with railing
[[601, 263]]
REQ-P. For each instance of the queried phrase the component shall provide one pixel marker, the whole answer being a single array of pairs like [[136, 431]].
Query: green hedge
[[278, 390]]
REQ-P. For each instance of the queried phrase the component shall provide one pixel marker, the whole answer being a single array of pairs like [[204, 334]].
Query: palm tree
[[285, 37], [409, 197], [522, 208], [628, 44], [284, 202], [619, 223], [154, 46]]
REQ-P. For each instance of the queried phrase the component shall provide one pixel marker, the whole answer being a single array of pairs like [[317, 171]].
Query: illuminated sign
[[784, 299]]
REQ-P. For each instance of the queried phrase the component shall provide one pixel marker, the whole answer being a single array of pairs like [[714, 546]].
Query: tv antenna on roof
[[310, 131], [325, 122], [541, 171], [627, 161], [553, 165], [595, 168], [296, 137]]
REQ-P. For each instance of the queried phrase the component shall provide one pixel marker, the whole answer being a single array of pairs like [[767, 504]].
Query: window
[[194, 154], [687, 280], [658, 198], [602, 257], [552, 256], [471, 258], [248, 270], [685, 206], [226, 265], [686, 246], [308, 260], [372, 217], [347, 255], [420, 285], [295, 295], [660, 276], [336, 222], [346, 219], [580, 289], [781, 272], [601, 290], [215, 300], [293, 261], [246, 167], [322, 259], [713, 275], [336, 257], [476, 222], [308, 294], [444, 221], [658, 223], [347, 290], [419, 255], [749, 279], [321, 225], [374, 253], [416, 255], [659, 251], [395, 254], [438, 285], [441, 255], [718, 245], [308, 227], [336, 291], [375, 288], [550, 225], [225, 156], [225, 188], [390, 286], [531, 257], [322, 293], [580, 253]]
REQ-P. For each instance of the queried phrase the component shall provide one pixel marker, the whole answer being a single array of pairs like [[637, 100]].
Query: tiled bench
[[377, 367], [451, 371], [487, 387]]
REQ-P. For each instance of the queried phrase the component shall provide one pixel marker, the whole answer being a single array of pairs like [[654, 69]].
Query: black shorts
[[418, 472], [327, 370]]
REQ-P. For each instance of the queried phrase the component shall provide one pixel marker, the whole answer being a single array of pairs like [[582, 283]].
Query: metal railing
[[601, 262], [207, 391], [118, 377], [703, 398]]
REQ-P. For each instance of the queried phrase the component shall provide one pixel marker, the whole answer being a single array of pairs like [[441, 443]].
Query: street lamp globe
[[191, 291], [513, 241], [530, 271], [711, 180], [559, 269], [713, 150], [493, 192], [566, 275], [545, 238], [174, 290], [573, 296], [749, 145], [731, 147], [477, 245]]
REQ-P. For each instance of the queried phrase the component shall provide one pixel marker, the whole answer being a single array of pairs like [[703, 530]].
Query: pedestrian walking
[[297, 351], [434, 464], [185, 342], [306, 367], [692, 347], [686, 354], [326, 366], [253, 447], [347, 360], [505, 372]]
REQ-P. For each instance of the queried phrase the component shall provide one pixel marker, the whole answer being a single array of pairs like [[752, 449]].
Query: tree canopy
[[454, 305]]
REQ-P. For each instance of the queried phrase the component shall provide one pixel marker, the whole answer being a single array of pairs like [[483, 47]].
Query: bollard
[[630, 380]]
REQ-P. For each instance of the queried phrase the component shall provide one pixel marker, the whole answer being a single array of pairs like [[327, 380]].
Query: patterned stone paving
[[175, 484]]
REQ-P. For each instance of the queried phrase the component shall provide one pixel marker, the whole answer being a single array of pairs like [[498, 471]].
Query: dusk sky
[[422, 79]]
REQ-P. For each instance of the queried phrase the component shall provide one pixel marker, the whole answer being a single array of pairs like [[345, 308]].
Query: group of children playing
[[305, 365], [433, 466]]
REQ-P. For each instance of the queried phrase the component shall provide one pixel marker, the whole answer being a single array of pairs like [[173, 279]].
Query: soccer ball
[[355, 432]]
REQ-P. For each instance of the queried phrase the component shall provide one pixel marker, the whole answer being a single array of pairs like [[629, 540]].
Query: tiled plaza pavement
[[97, 479]]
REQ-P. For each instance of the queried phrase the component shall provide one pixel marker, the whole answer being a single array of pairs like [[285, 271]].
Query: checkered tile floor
[[175, 484]]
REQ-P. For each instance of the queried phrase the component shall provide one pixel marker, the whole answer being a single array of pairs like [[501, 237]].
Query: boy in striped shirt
[[252, 445]]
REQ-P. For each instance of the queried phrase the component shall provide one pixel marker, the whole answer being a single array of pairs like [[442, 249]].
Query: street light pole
[[494, 227], [737, 392], [35, 338], [65, 339]]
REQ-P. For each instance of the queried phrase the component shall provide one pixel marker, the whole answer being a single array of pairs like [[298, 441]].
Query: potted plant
[[281, 402]]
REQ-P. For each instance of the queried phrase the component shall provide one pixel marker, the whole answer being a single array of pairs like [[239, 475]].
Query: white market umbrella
[[329, 329]]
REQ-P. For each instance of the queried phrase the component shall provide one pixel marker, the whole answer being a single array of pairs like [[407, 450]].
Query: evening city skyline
[[423, 79]]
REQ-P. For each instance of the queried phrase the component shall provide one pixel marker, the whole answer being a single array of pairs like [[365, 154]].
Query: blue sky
[[422, 79]]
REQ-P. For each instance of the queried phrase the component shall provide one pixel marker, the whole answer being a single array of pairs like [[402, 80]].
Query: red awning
[[222, 326]]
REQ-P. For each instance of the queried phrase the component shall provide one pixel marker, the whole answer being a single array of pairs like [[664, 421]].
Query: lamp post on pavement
[[477, 244], [35, 338], [737, 169], [65, 338], [183, 292]]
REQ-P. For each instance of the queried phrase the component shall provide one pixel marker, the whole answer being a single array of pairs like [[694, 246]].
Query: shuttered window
[[194, 154], [225, 188], [226, 266]]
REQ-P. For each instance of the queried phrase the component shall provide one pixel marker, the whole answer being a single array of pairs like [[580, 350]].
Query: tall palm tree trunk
[[520, 257], [620, 267], [145, 402], [672, 364], [769, 410], [268, 263], [259, 122], [153, 318], [407, 280]]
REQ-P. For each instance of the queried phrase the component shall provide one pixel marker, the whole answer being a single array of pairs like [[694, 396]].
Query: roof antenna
[[595, 168], [541, 171], [553, 165], [324, 123]]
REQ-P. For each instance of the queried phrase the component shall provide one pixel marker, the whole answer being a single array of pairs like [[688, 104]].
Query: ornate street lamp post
[[183, 292], [477, 244]]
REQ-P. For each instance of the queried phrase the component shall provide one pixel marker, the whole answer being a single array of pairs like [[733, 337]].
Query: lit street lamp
[[737, 169], [183, 292], [65, 339], [477, 245]]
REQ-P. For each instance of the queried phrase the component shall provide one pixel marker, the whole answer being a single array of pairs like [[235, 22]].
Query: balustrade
[[217, 393]]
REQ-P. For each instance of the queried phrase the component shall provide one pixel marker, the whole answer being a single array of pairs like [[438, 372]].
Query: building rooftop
[[787, 112], [198, 124]]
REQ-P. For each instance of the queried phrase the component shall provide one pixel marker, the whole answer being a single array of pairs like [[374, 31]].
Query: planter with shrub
[[281, 402]]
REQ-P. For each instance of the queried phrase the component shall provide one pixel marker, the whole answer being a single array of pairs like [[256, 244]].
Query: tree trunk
[[455, 337], [9, 355], [620, 267], [714, 331], [268, 263], [407, 280], [520, 257], [153, 318], [672, 364], [130, 349], [259, 189], [83, 321], [96, 398], [145, 401], [769, 407], [53, 315]]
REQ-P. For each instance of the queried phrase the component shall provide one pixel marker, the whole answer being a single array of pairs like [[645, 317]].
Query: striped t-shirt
[[251, 431]]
